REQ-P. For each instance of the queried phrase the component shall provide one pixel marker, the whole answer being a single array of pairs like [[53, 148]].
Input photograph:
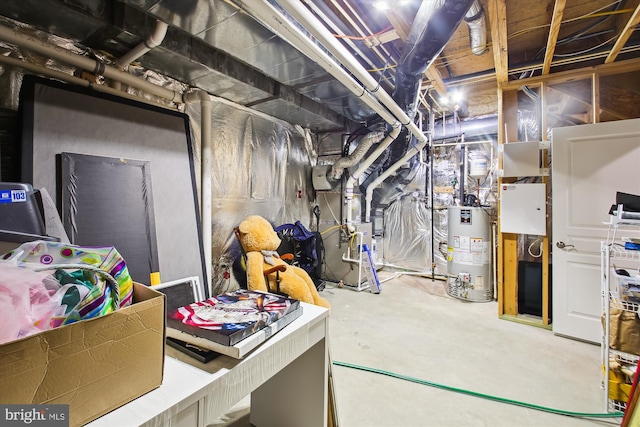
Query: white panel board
[[523, 209], [521, 159]]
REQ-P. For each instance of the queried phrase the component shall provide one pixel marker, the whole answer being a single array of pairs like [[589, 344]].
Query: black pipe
[[462, 174], [431, 128]]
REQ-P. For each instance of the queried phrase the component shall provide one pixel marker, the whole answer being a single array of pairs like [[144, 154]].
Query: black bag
[[306, 247]]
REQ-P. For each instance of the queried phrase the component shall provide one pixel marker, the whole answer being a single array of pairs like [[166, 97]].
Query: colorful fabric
[[85, 294]]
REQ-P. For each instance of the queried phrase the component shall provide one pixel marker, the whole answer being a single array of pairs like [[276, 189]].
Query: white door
[[589, 164]]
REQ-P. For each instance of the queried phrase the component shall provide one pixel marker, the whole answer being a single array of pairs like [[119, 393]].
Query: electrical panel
[[523, 209]]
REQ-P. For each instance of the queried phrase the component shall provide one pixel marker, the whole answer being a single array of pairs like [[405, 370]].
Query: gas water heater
[[469, 254]]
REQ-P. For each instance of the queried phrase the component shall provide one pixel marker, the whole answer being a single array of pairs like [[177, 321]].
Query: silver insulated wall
[[469, 254]]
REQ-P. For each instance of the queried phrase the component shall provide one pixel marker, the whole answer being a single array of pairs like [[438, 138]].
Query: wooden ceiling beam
[[624, 35], [582, 73], [498, 20], [556, 20], [403, 28]]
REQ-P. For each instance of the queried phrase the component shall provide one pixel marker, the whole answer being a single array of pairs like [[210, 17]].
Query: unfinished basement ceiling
[[217, 46]]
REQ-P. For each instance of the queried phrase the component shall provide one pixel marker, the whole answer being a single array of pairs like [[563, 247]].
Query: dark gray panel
[[108, 201], [61, 118]]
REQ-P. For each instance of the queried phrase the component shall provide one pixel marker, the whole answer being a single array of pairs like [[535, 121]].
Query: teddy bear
[[260, 241]]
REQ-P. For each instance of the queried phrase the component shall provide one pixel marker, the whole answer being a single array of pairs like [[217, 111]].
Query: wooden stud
[[624, 36], [498, 21], [545, 240], [595, 97], [556, 20]]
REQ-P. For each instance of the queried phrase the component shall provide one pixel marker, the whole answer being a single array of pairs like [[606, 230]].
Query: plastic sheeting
[[261, 166], [407, 221]]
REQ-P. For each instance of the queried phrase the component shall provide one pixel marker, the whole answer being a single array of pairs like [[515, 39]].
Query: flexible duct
[[477, 23], [432, 28], [346, 162]]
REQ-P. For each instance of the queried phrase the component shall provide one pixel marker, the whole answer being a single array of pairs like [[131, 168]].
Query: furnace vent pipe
[[363, 167], [477, 23]]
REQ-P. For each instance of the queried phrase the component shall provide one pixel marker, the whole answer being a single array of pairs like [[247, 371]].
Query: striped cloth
[[86, 294]]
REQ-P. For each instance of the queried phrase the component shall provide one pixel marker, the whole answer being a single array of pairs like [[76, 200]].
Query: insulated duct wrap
[[433, 26]]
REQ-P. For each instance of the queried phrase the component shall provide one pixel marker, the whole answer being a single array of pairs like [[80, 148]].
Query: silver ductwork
[[346, 162], [477, 23]]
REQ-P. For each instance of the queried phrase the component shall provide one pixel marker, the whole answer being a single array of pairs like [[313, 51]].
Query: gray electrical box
[[523, 209]]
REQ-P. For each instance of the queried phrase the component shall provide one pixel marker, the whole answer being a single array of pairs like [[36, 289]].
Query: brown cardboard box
[[94, 365]]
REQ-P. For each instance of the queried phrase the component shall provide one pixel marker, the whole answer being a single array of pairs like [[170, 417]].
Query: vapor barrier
[[261, 166], [407, 221]]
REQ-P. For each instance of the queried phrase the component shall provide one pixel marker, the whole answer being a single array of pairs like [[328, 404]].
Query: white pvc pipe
[[76, 80], [280, 25], [154, 40], [42, 47], [319, 31], [353, 178], [374, 184], [205, 174]]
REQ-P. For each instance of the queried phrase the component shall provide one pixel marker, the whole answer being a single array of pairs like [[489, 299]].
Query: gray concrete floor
[[414, 328]]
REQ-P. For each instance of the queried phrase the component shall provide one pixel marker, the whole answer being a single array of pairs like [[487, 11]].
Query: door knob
[[563, 245]]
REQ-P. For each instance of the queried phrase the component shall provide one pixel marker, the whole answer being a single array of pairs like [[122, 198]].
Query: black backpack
[[306, 247]]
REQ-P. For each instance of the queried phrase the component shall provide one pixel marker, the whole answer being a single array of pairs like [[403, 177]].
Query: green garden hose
[[481, 395]]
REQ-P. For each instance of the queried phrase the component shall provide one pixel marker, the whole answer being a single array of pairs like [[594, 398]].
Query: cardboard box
[[95, 365]]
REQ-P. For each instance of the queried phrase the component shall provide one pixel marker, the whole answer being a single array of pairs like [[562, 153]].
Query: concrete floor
[[414, 329]]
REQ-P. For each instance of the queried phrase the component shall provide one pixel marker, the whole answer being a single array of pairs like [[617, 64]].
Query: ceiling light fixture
[[381, 5]]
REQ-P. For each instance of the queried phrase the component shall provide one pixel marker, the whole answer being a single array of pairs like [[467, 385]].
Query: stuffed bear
[[260, 241]]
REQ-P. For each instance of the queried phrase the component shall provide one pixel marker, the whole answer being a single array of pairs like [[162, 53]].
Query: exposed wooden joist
[[403, 28], [582, 73], [556, 20], [498, 20], [624, 35]]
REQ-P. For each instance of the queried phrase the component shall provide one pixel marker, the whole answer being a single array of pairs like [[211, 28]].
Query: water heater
[[469, 254]]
